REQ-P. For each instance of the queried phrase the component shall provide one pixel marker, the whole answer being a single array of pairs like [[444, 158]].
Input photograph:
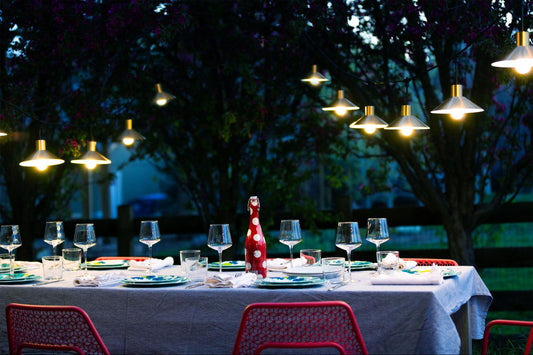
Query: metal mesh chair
[[299, 325], [136, 258], [516, 323], [53, 328], [429, 262]]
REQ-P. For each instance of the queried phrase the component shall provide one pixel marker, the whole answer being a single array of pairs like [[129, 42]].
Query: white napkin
[[433, 276], [157, 264], [406, 264], [228, 280], [282, 264], [101, 280]]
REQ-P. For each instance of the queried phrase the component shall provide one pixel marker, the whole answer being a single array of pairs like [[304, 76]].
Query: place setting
[[12, 272]]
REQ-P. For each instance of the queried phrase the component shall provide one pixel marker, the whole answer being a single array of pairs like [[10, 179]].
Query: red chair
[[516, 323], [329, 324], [429, 262], [52, 328], [136, 258]]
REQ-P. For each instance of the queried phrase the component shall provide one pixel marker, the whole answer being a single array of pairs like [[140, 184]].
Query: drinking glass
[[219, 238], [84, 238], [348, 238], [54, 234], [149, 235], [10, 240], [290, 234], [377, 231]]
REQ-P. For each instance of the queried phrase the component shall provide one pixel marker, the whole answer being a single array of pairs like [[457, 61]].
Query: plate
[[228, 265], [154, 280], [361, 265], [450, 273], [107, 264], [307, 282], [289, 280], [4, 267], [18, 278], [309, 271]]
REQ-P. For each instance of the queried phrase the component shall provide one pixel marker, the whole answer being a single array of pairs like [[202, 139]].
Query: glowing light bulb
[[41, 166], [370, 129], [161, 102], [522, 67], [406, 131], [340, 110], [457, 115], [314, 82], [128, 140], [90, 165]]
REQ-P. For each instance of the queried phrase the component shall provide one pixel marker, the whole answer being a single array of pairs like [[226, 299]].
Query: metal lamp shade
[[315, 78], [407, 123], [41, 158], [369, 122], [457, 105], [341, 105], [92, 158], [129, 135], [162, 98], [521, 58]]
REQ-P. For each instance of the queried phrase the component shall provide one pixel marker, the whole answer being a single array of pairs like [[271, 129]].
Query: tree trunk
[[459, 241]]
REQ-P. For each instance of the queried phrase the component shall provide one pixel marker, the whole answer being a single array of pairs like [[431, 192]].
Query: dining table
[[175, 319]]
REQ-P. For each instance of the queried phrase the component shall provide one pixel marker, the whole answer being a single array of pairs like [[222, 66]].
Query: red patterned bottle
[[255, 245]]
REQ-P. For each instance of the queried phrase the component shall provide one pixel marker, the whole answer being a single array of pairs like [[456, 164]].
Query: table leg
[[461, 318]]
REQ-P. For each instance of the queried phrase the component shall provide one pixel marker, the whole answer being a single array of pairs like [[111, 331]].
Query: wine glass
[[377, 231], [149, 235], [348, 238], [54, 234], [290, 234], [84, 238], [10, 240], [219, 238]]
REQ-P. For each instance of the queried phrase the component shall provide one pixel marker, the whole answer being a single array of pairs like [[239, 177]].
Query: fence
[[125, 227]]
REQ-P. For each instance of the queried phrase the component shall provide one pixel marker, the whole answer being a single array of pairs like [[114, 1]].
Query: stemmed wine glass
[[149, 235], [10, 240], [219, 238], [54, 234], [377, 231], [348, 238], [84, 238], [290, 234]]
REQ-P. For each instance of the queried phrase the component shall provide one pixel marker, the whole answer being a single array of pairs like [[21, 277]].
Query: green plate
[[18, 278], [228, 265], [107, 264]]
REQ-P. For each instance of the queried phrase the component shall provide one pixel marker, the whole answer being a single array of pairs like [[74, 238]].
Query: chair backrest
[[136, 258], [515, 323], [54, 328], [299, 325], [429, 262]]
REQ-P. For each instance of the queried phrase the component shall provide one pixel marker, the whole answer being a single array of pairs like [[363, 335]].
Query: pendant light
[[129, 135], [407, 123], [341, 105], [162, 98], [92, 158], [369, 122], [520, 58], [315, 78], [41, 158], [457, 105]]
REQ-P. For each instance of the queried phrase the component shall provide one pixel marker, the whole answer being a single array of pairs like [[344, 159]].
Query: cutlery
[[337, 286], [194, 285], [47, 282]]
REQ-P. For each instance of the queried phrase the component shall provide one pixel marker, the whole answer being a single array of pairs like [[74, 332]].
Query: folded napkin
[[406, 264], [101, 280], [434, 276], [282, 264], [228, 280], [157, 264]]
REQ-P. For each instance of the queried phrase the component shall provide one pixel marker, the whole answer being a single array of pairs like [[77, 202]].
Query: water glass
[[312, 256], [188, 258], [333, 270], [71, 259], [388, 261], [198, 270], [52, 267]]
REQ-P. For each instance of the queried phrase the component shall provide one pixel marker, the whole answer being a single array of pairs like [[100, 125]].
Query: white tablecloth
[[394, 319]]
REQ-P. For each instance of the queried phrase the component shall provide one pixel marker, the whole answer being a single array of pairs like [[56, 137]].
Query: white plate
[[289, 280], [107, 264], [154, 280], [18, 278], [304, 271], [310, 282], [228, 265]]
